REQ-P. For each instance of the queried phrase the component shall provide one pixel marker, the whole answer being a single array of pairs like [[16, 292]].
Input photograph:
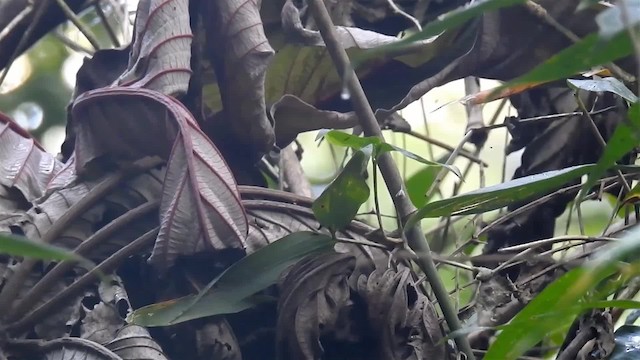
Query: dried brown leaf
[[293, 116], [24, 164], [404, 320], [240, 53], [314, 301], [161, 51], [198, 184]]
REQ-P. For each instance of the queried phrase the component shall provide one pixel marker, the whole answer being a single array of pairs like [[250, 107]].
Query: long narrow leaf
[[585, 54], [20, 246], [234, 290], [497, 196]]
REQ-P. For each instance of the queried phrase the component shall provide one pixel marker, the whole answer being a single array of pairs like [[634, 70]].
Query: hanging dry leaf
[[161, 51], [24, 164], [315, 301], [293, 116], [404, 320], [240, 53], [134, 342], [200, 207]]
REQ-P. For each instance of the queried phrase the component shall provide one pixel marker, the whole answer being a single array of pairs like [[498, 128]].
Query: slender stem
[[450, 160], [84, 29], [39, 12], [389, 171], [105, 22], [376, 199], [600, 139]]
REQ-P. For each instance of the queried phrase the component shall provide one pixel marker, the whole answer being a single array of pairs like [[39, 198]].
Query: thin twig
[[85, 30], [389, 170], [550, 117], [292, 173], [464, 153], [401, 12], [599, 138], [537, 202], [72, 44], [39, 13], [443, 172], [107, 26], [376, 199], [556, 239], [13, 23]]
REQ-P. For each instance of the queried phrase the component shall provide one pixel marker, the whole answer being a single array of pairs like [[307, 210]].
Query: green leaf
[[419, 183], [554, 308], [618, 304], [20, 246], [340, 138], [340, 201], [234, 290], [624, 139], [583, 55], [497, 196], [447, 21], [611, 21], [608, 84]]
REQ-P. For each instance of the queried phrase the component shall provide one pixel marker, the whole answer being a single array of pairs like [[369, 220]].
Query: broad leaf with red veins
[[200, 207], [161, 52], [138, 116], [240, 54], [24, 164]]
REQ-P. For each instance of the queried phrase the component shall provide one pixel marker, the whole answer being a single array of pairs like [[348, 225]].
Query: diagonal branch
[[388, 168]]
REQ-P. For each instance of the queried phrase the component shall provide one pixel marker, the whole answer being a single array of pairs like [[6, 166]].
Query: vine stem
[[415, 238]]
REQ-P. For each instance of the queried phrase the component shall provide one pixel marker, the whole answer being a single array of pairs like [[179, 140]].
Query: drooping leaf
[[379, 147], [234, 289], [303, 68], [200, 207], [339, 202], [497, 196], [161, 48], [239, 53], [135, 342], [101, 70], [624, 139], [609, 84], [24, 164], [312, 296], [293, 116], [397, 308]]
